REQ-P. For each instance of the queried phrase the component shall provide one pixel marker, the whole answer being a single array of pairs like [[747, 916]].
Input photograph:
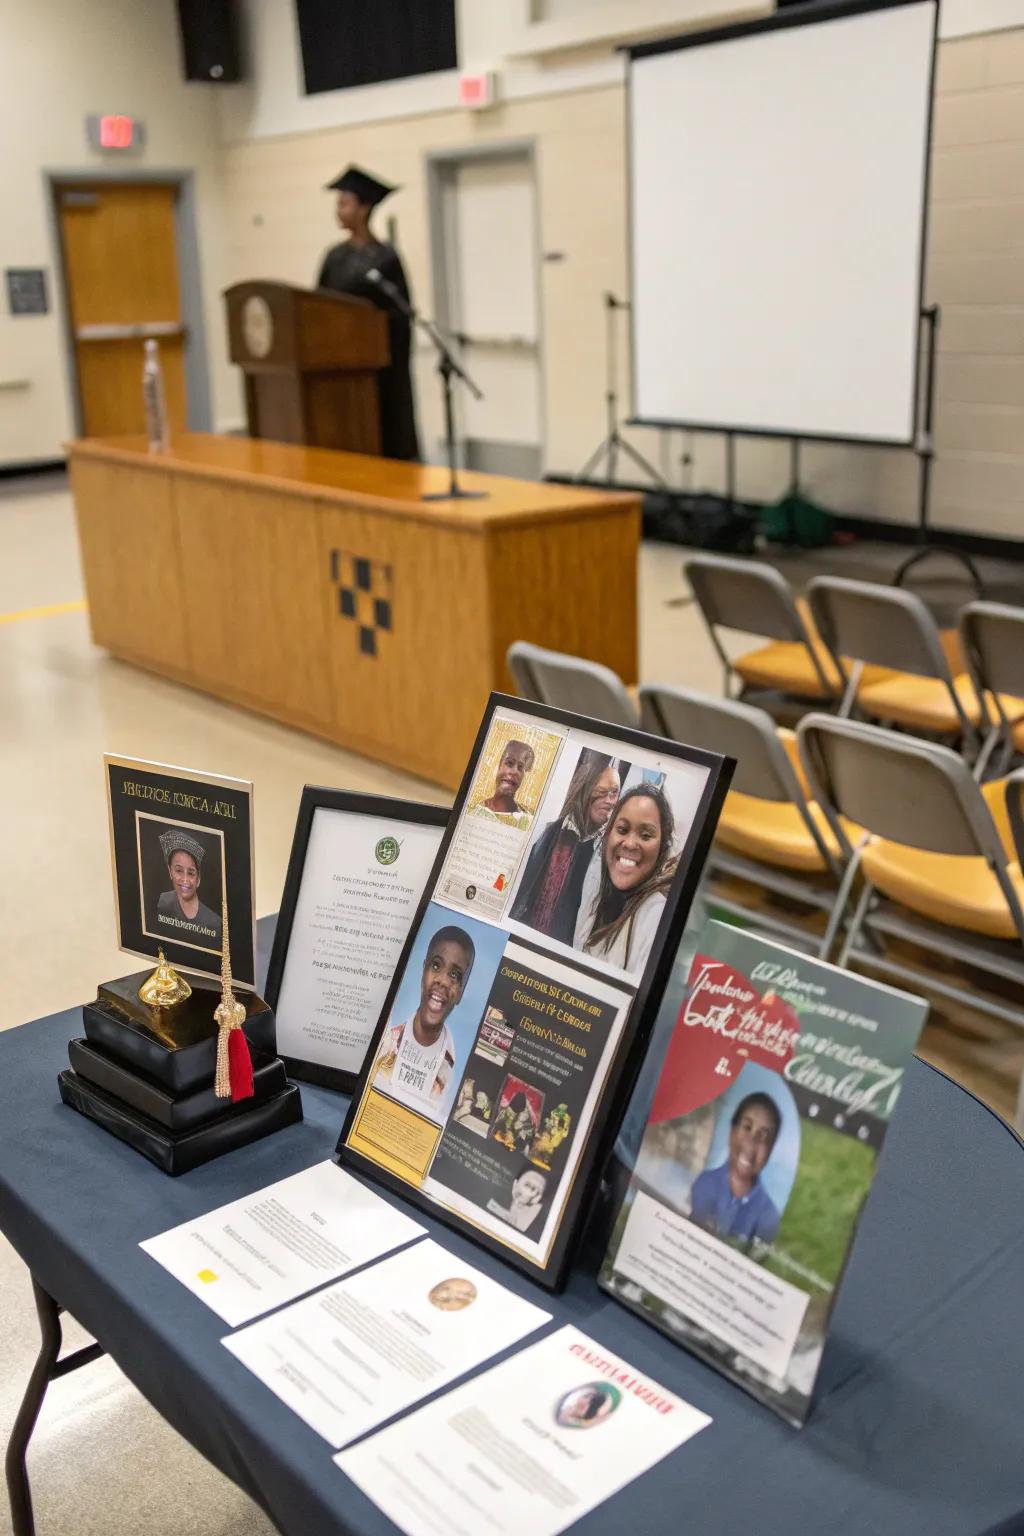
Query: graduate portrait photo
[[181, 879]]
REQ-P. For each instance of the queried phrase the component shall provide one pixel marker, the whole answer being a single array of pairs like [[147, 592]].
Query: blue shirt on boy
[[714, 1206]]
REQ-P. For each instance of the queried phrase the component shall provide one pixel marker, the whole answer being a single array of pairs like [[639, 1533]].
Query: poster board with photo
[[180, 840], [775, 1096], [520, 1009], [357, 870]]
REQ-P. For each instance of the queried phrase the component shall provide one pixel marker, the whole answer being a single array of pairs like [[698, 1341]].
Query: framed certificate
[[518, 1016], [358, 867]]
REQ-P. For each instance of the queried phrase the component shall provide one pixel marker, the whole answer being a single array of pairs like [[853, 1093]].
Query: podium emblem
[[257, 326]]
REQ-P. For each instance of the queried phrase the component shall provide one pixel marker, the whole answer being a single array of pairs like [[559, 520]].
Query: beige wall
[[59, 61], [279, 221]]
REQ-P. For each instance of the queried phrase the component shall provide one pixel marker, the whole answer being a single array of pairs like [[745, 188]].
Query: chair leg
[[860, 912], [841, 902], [849, 697], [984, 755]]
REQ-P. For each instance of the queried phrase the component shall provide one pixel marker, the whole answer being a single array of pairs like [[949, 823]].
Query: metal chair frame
[[537, 673], [701, 570], [820, 591], [875, 916], [988, 684], [654, 717]]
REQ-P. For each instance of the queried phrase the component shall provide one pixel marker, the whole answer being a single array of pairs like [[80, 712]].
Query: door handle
[[142, 332]]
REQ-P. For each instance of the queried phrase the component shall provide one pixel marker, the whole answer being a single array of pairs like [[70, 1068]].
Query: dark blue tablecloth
[[920, 1420]]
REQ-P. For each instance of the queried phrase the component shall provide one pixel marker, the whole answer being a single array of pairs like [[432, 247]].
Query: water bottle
[[154, 399]]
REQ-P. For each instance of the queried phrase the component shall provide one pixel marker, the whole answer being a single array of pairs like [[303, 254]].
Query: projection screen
[[777, 202]]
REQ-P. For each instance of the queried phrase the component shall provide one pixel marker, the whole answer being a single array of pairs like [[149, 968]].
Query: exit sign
[[114, 132]]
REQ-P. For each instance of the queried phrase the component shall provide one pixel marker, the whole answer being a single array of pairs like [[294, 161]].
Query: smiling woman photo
[[622, 906], [179, 911]]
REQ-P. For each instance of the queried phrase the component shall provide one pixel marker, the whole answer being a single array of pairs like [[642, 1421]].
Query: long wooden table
[[317, 588]]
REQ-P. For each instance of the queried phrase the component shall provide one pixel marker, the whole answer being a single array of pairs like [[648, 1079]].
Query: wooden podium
[[310, 359]]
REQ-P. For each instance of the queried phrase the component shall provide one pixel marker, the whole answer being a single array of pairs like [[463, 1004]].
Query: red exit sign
[[115, 131]]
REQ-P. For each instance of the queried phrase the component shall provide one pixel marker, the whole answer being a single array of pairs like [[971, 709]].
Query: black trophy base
[[175, 1047], [177, 1152], [148, 1098]]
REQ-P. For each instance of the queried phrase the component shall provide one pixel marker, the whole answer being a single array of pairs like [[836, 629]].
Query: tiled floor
[[62, 705]]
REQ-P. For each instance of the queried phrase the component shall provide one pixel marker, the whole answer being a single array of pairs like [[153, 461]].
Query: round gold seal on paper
[[257, 326]]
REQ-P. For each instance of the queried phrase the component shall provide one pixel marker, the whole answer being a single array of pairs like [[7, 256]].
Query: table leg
[[46, 1369]]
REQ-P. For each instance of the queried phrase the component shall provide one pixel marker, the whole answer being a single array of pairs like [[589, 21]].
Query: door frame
[[441, 166], [199, 416]]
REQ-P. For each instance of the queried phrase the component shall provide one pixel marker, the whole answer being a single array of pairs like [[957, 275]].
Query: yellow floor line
[[46, 612]]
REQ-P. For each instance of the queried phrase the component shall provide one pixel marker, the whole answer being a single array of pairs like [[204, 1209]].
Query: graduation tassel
[[233, 1079]]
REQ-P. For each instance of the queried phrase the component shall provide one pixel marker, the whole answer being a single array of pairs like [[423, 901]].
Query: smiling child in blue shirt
[[730, 1201]]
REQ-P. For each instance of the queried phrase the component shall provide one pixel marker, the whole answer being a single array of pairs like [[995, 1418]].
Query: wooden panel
[[570, 585], [120, 254], [275, 407], [359, 479], [130, 560], [110, 381], [342, 411], [121, 268], [255, 614], [410, 691]]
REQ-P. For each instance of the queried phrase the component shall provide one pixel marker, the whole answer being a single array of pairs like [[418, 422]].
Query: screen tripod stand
[[614, 443]]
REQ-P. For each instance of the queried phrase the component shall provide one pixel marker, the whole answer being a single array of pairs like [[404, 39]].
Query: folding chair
[[569, 682], [937, 873], [992, 637], [769, 834], [752, 597], [867, 623]]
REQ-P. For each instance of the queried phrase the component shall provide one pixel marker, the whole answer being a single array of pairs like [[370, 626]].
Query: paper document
[[362, 1350], [530, 1445], [279, 1242]]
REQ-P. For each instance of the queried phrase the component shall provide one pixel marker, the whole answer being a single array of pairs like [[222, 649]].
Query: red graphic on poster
[[725, 1021]]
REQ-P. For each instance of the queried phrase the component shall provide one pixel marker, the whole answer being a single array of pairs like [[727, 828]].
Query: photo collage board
[[519, 1011]]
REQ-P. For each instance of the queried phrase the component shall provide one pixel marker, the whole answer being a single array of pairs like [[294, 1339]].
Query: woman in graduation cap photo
[[179, 912], [344, 270]]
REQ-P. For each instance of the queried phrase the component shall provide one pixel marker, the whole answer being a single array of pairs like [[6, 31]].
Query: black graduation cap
[[366, 187]]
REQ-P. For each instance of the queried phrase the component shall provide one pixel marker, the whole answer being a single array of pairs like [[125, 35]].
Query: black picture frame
[[629, 1053], [144, 798], [317, 797]]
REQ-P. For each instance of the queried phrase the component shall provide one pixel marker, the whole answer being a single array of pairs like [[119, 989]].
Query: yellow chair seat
[[773, 831], [922, 703], [960, 891], [787, 665]]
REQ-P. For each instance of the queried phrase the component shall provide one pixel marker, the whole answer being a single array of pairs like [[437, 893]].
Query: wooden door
[[121, 271]]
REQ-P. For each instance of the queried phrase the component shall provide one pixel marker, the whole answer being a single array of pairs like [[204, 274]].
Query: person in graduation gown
[[344, 270]]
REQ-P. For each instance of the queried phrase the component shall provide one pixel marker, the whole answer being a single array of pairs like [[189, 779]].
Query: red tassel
[[239, 1066]]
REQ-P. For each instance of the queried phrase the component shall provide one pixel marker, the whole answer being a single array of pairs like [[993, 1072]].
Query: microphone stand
[[447, 368]]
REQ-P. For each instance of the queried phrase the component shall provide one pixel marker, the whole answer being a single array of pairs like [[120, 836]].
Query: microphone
[[387, 287]]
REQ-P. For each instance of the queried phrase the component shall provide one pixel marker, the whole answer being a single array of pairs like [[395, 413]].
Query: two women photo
[[598, 875]]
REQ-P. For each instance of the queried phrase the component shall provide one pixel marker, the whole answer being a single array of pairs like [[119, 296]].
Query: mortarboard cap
[[366, 187], [180, 842]]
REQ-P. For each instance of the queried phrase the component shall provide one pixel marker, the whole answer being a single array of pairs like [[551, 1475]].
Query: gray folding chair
[[864, 622], [918, 796], [767, 833], [992, 638], [753, 598], [569, 682]]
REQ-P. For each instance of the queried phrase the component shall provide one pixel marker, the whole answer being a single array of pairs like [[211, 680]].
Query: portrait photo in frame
[[507, 1047], [181, 841], [357, 869]]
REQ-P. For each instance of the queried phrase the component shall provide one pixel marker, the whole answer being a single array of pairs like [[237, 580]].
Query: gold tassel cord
[[229, 1013]]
